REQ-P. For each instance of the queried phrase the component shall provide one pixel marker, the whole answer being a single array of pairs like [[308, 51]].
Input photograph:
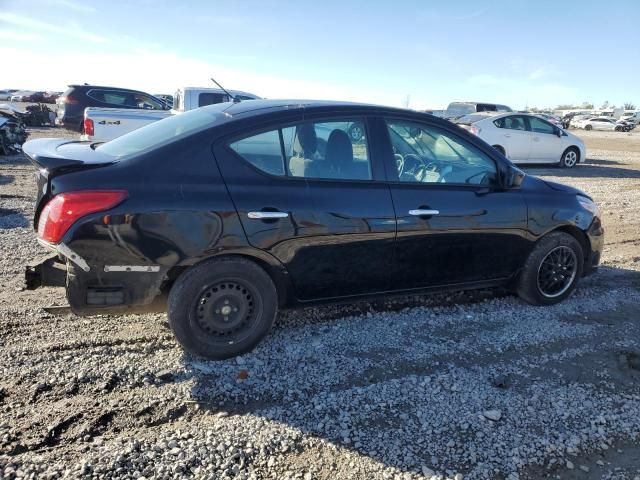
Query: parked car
[[458, 109], [104, 124], [238, 209], [599, 123], [6, 94], [20, 95], [72, 103], [525, 138], [633, 117]]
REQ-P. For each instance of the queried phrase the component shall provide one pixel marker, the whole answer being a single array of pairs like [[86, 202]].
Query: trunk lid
[[56, 156]]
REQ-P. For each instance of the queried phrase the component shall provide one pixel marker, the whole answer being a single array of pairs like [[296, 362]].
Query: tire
[[203, 294], [500, 149], [570, 158], [588, 127], [533, 284], [356, 132]]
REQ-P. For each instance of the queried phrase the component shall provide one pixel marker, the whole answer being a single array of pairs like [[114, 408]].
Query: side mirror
[[514, 177], [559, 132]]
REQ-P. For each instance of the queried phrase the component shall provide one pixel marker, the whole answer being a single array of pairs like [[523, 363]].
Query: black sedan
[[224, 214]]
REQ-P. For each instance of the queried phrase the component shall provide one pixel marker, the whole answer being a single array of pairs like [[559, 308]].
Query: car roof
[[89, 87], [254, 106]]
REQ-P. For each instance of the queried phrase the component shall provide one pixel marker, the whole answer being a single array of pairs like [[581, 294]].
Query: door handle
[[507, 135], [536, 139], [423, 212], [267, 215]]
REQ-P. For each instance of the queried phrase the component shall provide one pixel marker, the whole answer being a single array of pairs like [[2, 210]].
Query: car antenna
[[235, 100]]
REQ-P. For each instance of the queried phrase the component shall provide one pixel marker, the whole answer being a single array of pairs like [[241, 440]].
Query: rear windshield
[[458, 109], [469, 119], [165, 131]]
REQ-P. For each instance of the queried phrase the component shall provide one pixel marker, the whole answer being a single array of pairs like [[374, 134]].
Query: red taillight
[[88, 127], [68, 99], [64, 209]]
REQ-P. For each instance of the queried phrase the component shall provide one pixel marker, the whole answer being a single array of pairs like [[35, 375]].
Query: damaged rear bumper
[[50, 272]]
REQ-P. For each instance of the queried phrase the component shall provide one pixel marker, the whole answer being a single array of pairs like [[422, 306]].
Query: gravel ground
[[467, 385]]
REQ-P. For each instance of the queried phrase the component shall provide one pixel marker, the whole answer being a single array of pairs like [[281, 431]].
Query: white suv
[[524, 138]]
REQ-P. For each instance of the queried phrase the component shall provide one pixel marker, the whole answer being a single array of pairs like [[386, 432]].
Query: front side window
[[428, 154], [540, 126], [322, 150], [146, 102]]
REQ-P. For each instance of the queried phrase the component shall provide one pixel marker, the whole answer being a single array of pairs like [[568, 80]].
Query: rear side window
[[514, 122], [112, 97], [323, 150], [263, 151], [211, 98]]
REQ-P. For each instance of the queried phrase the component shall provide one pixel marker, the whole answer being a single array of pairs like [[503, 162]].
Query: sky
[[416, 53]]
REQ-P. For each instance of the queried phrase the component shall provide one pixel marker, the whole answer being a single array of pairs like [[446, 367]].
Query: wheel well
[[580, 236], [282, 283], [575, 149], [500, 148]]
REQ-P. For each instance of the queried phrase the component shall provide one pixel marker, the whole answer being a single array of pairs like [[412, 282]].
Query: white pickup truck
[[104, 124]]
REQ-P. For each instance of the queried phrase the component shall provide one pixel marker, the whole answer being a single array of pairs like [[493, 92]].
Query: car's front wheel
[[552, 270], [588, 127], [222, 307], [569, 158]]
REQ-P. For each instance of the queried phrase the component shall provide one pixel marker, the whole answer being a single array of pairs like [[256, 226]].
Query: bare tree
[[629, 106]]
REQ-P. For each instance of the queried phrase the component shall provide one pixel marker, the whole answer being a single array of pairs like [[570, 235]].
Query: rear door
[[546, 145], [308, 194], [515, 137], [455, 226]]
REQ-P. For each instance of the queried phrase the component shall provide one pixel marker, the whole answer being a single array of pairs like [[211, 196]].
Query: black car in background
[[237, 209], [71, 104]]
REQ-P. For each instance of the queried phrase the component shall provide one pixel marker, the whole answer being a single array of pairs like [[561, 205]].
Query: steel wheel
[[570, 158], [557, 271], [227, 310]]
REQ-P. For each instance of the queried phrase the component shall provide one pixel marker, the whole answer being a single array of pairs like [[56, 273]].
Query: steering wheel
[[399, 163], [412, 163]]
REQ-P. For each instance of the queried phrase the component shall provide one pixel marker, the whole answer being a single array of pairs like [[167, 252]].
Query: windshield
[[459, 109], [165, 131]]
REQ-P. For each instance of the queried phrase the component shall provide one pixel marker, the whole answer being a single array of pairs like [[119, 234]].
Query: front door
[[546, 145], [306, 192], [454, 225]]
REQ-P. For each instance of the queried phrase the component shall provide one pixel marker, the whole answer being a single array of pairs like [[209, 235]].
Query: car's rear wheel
[[222, 308], [588, 127], [552, 270], [569, 158]]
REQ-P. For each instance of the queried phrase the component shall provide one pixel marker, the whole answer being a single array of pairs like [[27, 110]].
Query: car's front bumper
[[595, 233]]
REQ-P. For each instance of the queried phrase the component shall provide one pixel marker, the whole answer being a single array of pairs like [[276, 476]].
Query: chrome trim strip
[[65, 251], [132, 268]]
